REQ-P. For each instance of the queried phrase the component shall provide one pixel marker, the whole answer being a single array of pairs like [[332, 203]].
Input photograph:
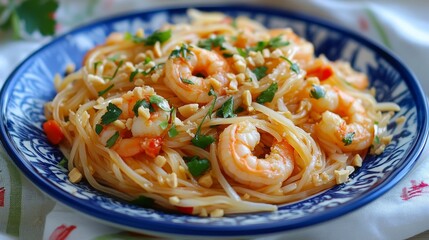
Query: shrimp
[[142, 132], [182, 75], [344, 120], [236, 144]]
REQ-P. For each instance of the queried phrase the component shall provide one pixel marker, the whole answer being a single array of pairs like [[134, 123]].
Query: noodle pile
[[169, 119]]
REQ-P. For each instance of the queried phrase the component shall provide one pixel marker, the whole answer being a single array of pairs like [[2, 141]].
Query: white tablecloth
[[402, 26]]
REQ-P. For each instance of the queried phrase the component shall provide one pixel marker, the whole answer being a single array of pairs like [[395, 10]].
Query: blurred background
[[401, 26]]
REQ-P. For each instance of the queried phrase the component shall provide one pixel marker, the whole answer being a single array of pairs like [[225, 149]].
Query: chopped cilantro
[[268, 94], [172, 132], [63, 162], [142, 103], [183, 52], [260, 72], [317, 92], [196, 165], [160, 101], [227, 55], [293, 66], [133, 75], [102, 92], [96, 65], [112, 114], [243, 52], [187, 81], [113, 58], [158, 36], [163, 125], [98, 128], [227, 109], [212, 42], [201, 140], [116, 70], [277, 42], [112, 140], [147, 60], [348, 139], [143, 201]]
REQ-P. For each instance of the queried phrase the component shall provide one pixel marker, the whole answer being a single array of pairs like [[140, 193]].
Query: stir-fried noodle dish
[[213, 117]]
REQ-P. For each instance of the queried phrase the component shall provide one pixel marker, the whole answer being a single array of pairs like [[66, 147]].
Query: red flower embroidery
[[2, 192], [363, 24], [61, 232], [415, 190]]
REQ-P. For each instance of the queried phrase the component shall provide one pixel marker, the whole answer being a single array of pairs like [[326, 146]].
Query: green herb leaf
[[112, 114], [197, 166], [37, 16], [172, 132], [377, 140], [183, 52], [277, 42], [212, 42], [268, 94], [227, 55], [96, 65], [293, 66], [102, 92], [163, 125], [158, 37], [160, 101], [348, 139], [142, 103], [243, 52], [239, 110], [259, 46], [147, 60], [201, 140], [112, 140], [317, 92], [133, 75], [98, 128], [116, 70], [152, 69], [227, 109], [143, 201], [113, 58], [63, 163], [260, 72], [187, 81]]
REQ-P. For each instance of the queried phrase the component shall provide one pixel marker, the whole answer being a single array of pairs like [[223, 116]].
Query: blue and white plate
[[31, 85]]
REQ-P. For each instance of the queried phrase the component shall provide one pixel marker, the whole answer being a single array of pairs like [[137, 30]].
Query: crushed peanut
[[247, 98], [75, 176], [341, 176], [188, 109], [144, 112], [217, 213], [118, 123], [172, 180], [160, 160], [206, 181], [174, 200]]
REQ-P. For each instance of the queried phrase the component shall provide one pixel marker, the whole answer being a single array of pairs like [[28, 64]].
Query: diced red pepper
[[53, 131], [186, 210], [323, 72], [152, 146]]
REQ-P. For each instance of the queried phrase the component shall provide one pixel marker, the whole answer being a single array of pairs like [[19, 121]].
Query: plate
[[30, 86]]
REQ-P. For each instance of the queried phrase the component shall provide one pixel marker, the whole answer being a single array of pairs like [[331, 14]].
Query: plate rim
[[396, 175]]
